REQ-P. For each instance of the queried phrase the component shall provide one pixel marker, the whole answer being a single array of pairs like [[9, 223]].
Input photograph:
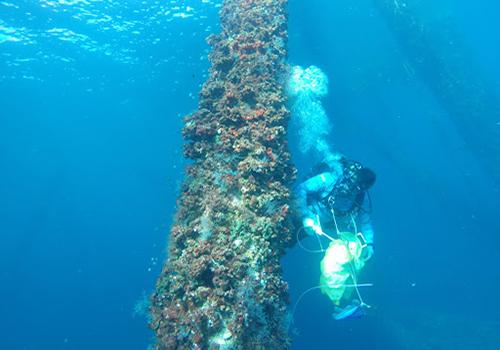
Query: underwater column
[[441, 58], [221, 286]]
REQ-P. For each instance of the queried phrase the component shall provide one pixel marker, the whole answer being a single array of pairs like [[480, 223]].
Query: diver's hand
[[317, 229], [311, 227], [368, 252]]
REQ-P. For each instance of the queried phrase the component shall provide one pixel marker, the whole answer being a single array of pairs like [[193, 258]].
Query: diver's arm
[[366, 229], [309, 217], [365, 224], [313, 188]]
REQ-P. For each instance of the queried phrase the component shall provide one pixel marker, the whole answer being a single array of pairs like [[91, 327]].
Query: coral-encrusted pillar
[[438, 53], [221, 287]]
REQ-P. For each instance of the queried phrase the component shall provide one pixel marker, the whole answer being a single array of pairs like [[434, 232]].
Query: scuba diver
[[335, 204]]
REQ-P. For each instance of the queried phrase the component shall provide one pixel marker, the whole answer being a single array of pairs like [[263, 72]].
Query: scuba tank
[[347, 196]]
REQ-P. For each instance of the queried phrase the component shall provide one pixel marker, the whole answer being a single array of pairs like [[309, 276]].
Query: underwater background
[[92, 95]]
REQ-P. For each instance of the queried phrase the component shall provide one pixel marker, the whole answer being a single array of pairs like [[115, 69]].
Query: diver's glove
[[311, 227], [368, 252]]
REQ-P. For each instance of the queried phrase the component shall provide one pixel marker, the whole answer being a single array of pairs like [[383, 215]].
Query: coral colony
[[221, 287]]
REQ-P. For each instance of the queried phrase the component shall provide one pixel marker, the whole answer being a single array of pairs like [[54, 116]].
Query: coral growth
[[221, 287]]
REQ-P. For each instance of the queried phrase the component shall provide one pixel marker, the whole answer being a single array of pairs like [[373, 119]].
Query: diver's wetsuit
[[311, 195]]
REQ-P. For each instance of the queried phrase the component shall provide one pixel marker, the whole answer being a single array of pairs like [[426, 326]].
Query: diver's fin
[[355, 310]]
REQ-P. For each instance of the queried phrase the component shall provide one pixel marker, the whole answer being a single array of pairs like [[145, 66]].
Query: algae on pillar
[[221, 286]]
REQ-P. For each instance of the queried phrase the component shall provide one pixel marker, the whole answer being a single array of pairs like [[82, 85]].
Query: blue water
[[92, 95]]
